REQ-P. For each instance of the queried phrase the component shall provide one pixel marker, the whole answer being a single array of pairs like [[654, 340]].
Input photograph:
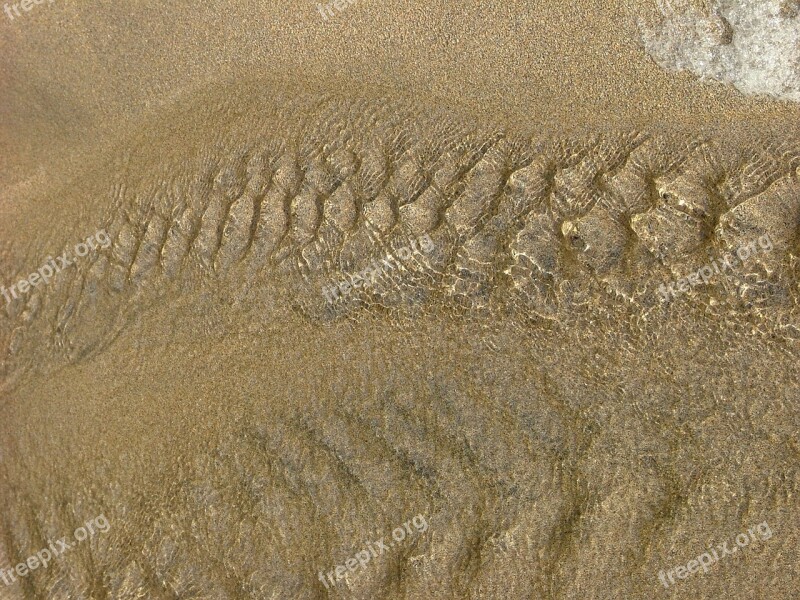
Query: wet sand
[[564, 431]]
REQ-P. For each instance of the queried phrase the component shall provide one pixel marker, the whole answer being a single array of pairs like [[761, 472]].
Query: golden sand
[[564, 431]]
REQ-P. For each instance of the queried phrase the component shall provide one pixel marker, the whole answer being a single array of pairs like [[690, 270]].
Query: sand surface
[[563, 428]]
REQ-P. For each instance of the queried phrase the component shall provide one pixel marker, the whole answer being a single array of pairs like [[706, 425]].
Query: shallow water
[[564, 429]]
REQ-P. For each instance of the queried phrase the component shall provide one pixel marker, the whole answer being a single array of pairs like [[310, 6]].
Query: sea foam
[[751, 44]]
